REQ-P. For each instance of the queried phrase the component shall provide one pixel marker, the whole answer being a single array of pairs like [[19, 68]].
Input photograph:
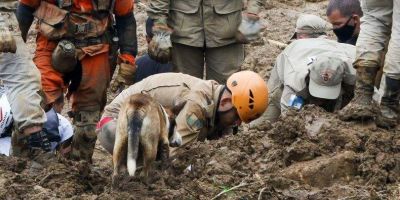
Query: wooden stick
[[277, 43]]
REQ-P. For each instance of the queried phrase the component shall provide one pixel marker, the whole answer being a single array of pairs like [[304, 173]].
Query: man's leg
[[22, 79], [375, 32], [221, 62], [52, 81], [389, 107], [87, 103], [188, 60]]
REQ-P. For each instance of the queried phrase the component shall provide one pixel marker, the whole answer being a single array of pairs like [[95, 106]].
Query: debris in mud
[[339, 160]]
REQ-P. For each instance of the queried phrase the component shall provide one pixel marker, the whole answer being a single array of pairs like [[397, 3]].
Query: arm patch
[[194, 122]]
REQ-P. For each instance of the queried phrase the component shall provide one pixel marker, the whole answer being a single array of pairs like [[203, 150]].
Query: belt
[[89, 41]]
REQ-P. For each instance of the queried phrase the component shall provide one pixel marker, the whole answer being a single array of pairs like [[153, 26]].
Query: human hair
[[346, 7]]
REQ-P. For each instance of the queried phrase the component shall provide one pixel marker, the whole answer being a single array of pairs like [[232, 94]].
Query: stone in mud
[[324, 171]]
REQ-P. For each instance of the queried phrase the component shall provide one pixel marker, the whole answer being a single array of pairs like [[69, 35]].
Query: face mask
[[345, 32]]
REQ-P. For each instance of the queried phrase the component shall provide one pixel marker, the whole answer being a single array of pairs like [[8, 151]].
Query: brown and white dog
[[143, 126]]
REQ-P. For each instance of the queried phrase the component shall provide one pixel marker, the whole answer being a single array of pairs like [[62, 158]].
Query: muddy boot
[[389, 108], [361, 106], [19, 146], [85, 135]]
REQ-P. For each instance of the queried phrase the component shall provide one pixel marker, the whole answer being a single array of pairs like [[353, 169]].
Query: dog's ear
[[169, 112], [178, 106]]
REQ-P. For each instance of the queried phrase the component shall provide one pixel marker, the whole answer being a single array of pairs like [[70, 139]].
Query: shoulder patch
[[194, 122]]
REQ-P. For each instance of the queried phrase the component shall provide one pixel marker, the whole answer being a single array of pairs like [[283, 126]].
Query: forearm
[[158, 10], [24, 16], [126, 28]]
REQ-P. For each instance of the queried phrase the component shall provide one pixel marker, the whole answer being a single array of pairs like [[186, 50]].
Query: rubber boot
[[85, 135], [361, 106], [389, 108]]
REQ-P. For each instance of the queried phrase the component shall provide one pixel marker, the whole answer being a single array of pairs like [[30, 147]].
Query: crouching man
[[311, 70], [210, 109], [21, 79]]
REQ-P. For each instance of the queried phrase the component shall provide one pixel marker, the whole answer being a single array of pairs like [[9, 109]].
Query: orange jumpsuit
[[90, 95]]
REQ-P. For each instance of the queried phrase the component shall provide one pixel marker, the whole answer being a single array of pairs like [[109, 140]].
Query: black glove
[[39, 140], [126, 29]]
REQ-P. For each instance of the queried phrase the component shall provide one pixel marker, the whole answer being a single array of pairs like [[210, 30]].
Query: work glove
[[39, 140], [125, 73], [249, 29], [160, 45], [7, 42]]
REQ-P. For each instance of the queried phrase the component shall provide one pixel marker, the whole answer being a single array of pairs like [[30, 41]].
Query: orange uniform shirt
[[122, 7]]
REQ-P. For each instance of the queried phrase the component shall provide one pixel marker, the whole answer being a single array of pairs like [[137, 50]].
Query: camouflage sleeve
[[254, 6], [190, 121], [158, 10]]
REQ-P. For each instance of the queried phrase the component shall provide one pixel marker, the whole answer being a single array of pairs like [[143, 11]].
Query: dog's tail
[[135, 121]]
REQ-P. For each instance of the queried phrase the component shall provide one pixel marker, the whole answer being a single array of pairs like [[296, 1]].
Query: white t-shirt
[[64, 128]]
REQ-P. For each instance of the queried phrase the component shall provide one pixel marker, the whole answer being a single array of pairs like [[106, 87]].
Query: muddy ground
[[308, 155]]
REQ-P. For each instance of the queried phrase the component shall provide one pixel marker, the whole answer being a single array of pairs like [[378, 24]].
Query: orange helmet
[[249, 94]]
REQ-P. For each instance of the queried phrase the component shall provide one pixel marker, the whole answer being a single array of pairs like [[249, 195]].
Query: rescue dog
[[143, 126]]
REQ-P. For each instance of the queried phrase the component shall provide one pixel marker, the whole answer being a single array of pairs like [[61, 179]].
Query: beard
[[223, 124]]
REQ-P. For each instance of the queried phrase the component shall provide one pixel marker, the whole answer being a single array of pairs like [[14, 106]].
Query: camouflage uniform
[[22, 79], [196, 117], [204, 32]]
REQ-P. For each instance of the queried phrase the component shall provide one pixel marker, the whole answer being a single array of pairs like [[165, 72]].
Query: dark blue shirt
[[147, 67]]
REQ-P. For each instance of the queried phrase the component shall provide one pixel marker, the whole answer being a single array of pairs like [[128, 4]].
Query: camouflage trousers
[[380, 25]]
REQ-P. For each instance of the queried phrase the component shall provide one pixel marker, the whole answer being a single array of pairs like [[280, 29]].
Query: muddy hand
[[124, 78], [249, 29], [160, 46], [117, 86]]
